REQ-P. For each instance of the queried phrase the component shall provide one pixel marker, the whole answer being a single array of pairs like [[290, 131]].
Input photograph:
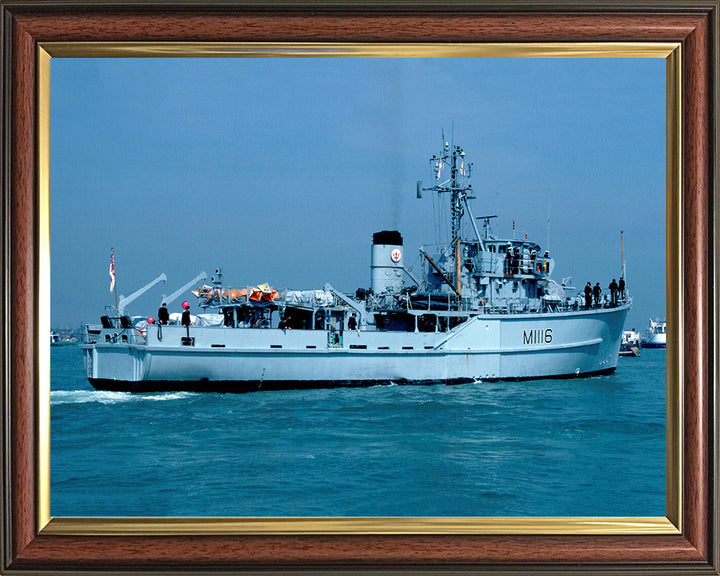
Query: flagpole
[[112, 258]]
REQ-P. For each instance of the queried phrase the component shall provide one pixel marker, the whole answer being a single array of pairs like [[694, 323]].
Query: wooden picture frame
[[687, 542]]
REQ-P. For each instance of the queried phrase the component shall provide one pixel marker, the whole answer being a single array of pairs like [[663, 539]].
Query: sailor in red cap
[[186, 316]]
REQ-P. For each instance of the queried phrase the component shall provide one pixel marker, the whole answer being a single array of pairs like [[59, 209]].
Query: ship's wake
[[59, 397]]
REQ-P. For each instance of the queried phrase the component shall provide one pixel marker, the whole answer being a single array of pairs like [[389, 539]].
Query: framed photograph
[[122, 88]]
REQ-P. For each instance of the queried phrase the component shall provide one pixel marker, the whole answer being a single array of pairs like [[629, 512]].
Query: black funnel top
[[391, 237]]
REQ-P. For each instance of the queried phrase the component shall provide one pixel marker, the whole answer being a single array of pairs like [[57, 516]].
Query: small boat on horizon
[[57, 340], [631, 343], [656, 334]]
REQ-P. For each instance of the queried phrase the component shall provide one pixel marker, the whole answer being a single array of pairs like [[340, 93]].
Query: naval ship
[[483, 308]]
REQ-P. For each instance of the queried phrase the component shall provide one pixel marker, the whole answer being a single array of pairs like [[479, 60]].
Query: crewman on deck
[[621, 288], [352, 323], [596, 293], [185, 321], [613, 292], [588, 295], [163, 314]]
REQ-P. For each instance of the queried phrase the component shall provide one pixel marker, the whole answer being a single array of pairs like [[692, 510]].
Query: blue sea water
[[580, 447]]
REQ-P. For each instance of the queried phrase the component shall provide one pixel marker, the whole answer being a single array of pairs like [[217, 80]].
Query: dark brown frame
[[26, 24]]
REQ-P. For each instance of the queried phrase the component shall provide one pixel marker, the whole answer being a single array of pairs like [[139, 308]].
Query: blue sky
[[280, 170]]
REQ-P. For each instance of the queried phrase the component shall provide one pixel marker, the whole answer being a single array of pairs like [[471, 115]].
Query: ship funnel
[[386, 262]]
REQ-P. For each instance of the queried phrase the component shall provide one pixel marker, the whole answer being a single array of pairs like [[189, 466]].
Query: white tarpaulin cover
[[208, 319], [309, 298], [555, 292]]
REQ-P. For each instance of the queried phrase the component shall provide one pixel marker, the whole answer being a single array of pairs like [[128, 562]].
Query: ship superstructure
[[483, 308]]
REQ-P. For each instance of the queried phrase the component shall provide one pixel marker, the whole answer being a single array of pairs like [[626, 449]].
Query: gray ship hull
[[484, 347]]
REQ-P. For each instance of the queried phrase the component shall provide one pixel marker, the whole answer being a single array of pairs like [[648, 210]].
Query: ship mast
[[454, 159], [456, 215]]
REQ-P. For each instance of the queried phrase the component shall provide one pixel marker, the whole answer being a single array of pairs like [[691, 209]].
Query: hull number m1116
[[537, 336]]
